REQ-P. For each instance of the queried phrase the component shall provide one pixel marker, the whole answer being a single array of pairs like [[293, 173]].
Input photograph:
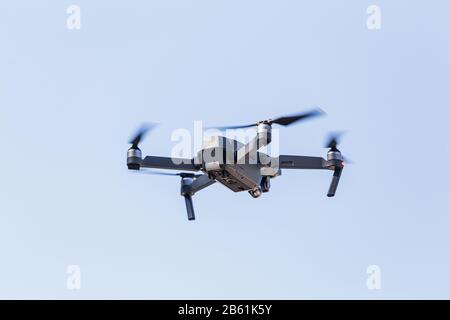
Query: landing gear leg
[[265, 184]]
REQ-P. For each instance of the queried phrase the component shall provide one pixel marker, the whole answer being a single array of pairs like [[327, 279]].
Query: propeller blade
[[333, 140], [158, 173], [288, 120], [284, 121], [233, 127], [179, 174], [143, 130], [347, 160]]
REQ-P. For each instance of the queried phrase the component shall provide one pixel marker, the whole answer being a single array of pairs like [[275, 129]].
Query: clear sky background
[[70, 100]]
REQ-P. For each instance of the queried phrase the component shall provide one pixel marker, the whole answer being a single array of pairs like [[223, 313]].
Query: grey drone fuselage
[[237, 166]]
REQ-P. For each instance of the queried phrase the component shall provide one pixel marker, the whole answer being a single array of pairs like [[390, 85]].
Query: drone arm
[[169, 163], [334, 181], [189, 207], [189, 187], [201, 183], [302, 162]]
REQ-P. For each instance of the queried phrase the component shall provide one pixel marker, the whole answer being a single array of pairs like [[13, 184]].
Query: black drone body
[[238, 166]]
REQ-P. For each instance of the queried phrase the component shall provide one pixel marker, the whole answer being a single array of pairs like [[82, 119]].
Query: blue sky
[[70, 99]]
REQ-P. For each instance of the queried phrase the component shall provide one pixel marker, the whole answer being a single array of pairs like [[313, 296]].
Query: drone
[[237, 166]]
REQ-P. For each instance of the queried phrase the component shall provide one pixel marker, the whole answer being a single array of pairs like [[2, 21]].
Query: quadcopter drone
[[238, 166]]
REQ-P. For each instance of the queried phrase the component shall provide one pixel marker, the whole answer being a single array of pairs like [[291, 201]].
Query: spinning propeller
[[179, 174], [139, 135], [333, 141], [283, 121]]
